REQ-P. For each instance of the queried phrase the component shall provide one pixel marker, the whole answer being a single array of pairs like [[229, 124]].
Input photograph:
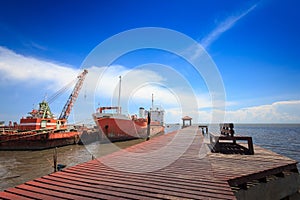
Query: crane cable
[[61, 91]]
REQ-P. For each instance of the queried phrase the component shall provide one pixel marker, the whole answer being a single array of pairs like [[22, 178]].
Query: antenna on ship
[[45, 97], [119, 106], [152, 102]]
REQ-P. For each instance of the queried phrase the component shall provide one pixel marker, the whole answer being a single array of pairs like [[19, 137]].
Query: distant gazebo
[[186, 121]]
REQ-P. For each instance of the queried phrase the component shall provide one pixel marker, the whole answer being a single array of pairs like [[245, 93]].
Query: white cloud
[[132, 80], [16, 68], [140, 83], [278, 112], [225, 26], [228, 23]]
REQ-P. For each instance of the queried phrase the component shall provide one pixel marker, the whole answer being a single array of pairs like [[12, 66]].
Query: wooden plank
[[260, 175], [55, 194], [8, 195], [153, 179], [172, 186], [96, 184], [162, 180], [254, 167], [144, 190], [30, 194], [64, 192]]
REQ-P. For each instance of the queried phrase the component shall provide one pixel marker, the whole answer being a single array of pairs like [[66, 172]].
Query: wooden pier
[[192, 176]]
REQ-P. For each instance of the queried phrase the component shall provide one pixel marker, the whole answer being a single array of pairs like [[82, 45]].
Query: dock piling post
[[148, 126], [55, 159], [148, 132]]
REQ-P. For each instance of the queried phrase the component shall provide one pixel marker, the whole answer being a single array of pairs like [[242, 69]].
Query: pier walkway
[[132, 174]]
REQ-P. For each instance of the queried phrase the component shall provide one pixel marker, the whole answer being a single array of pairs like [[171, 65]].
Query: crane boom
[[73, 96]]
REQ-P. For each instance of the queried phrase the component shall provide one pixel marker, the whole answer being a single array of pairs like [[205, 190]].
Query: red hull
[[37, 141], [121, 129]]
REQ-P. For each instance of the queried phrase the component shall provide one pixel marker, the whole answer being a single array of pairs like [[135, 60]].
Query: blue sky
[[254, 45]]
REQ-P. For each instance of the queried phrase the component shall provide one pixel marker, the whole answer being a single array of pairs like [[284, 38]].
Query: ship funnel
[[141, 112]]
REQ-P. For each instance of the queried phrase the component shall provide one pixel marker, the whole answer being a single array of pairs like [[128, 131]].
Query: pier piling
[[55, 159]]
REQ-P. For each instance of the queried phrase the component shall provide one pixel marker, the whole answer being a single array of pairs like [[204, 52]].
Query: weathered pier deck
[[194, 174]]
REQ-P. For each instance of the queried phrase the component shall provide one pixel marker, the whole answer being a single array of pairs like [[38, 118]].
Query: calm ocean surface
[[17, 167]]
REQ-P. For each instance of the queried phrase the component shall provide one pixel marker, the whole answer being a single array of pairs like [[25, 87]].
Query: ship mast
[[119, 98]]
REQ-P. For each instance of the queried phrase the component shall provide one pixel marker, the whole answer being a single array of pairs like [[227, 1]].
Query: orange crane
[[73, 96]]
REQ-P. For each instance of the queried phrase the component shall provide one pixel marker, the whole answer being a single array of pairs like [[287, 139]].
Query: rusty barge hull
[[37, 141]]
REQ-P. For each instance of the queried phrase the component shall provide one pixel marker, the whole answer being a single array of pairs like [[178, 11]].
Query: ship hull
[[112, 129], [37, 141], [156, 129]]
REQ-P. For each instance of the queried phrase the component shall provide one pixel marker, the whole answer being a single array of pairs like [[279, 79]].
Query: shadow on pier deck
[[195, 173]]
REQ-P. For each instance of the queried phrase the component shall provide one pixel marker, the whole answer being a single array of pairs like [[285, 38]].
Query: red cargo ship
[[116, 126], [41, 130]]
